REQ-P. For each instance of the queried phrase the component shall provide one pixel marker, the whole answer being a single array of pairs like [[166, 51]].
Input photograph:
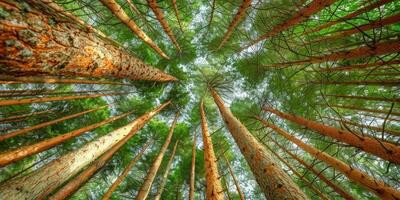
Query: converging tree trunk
[[192, 168], [214, 189], [4, 79], [160, 17], [384, 150], [24, 116], [378, 64], [376, 186], [40, 183], [386, 112], [394, 100], [177, 14], [60, 47], [125, 173], [151, 174], [394, 82], [241, 195], [165, 175], [273, 181]]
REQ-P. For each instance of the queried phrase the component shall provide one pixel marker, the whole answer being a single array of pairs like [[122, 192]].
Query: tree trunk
[[192, 169], [376, 186], [394, 100], [365, 9], [7, 119], [303, 14], [301, 177], [273, 181], [177, 14], [22, 152], [213, 184], [43, 181], [381, 117], [11, 95], [73, 185], [359, 66], [384, 150], [11, 102], [52, 80], [44, 124], [394, 82], [241, 196], [160, 17], [137, 12], [165, 175], [125, 173], [60, 47], [317, 173], [151, 174], [365, 109], [239, 15]]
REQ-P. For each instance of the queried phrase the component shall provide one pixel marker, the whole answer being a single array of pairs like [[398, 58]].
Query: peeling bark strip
[[214, 189], [151, 174], [241, 12], [125, 173], [192, 170], [165, 175], [384, 150], [160, 17], [40, 183], [4, 79], [44, 124], [118, 12], [273, 181], [40, 40], [354, 174], [303, 14]]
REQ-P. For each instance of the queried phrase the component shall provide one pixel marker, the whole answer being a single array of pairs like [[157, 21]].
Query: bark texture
[[384, 150], [273, 181], [40, 183], [151, 174], [192, 169], [214, 189], [40, 40]]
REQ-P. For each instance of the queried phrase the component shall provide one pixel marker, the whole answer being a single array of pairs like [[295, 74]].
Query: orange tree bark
[[239, 15], [177, 14], [51, 80], [40, 183], [213, 184], [47, 42], [192, 169], [125, 173], [303, 14], [7, 119], [165, 175], [376, 186], [394, 82], [394, 100], [160, 17], [44, 124], [359, 66], [73, 185], [22, 152], [364, 109], [11, 102], [316, 172], [151, 174], [241, 195], [384, 150], [365, 9], [273, 181]]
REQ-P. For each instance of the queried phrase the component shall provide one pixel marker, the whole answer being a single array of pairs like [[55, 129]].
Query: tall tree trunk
[[60, 47], [239, 15], [151, 174], [213, 184], [4, 79], [44, 124], [303, 14], [364, 109], [394, 100], [241, 195], [177, 14], [160, 17], [118, 12], [365, 9], [394, 82], [376, 186], [360, 66], [73, 185], [46, 179], [301, 177], [7, 119], [316, 172], [384, 150], [22, 152], [10, 95], [273, 181], [125, 173], [137, 12], [192, 169], [165, 175], [11, 102]]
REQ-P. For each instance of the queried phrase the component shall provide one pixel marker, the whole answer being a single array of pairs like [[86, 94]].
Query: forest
[[199, 99]]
